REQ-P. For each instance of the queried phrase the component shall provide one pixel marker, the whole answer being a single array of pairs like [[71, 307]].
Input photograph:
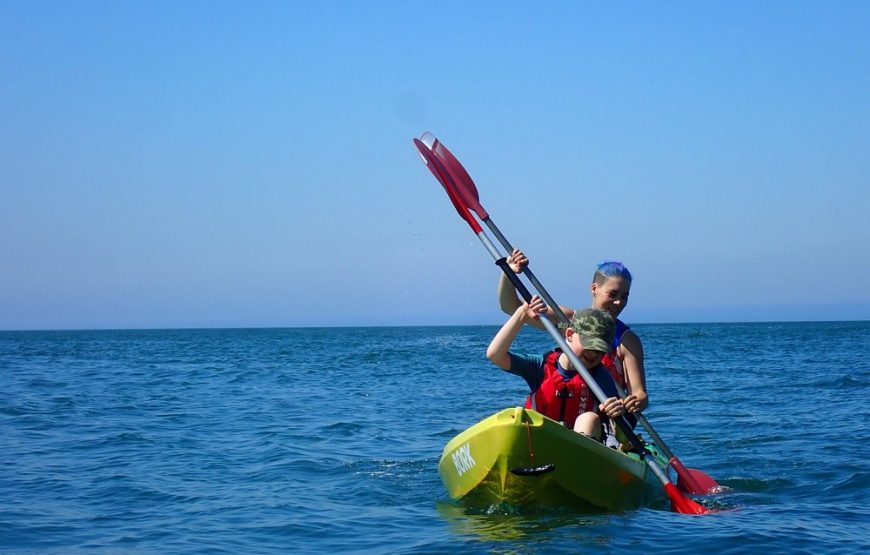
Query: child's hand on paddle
[[517, 261], [534, 309], [613, 407]]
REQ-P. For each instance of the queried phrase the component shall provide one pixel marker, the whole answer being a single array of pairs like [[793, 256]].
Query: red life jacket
[[611, 361], [561, 400]]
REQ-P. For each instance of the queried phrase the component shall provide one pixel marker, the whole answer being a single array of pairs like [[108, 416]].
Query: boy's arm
[[508, 300], [497, 352]]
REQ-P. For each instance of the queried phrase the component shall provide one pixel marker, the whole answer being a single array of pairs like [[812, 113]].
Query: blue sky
[[222, 164]]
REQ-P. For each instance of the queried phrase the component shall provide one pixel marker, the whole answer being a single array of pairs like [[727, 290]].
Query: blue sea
[[327, 441]]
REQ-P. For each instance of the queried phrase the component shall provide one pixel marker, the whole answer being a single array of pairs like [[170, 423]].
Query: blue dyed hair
[[609, 269]]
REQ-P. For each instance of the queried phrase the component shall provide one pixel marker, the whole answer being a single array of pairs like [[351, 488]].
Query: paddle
[[690, 480], [467, 192], [679, 502]]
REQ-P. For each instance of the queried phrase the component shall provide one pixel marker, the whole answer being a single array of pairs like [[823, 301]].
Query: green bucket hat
[[595, 328]]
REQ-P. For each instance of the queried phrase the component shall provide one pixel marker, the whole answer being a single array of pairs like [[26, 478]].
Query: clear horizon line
[[279, 327]]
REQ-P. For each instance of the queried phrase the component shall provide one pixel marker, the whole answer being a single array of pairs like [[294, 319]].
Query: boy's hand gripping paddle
[[463, 194]]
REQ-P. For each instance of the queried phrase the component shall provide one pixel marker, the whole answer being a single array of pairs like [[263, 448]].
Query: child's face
[[612, 295], [588, 357]]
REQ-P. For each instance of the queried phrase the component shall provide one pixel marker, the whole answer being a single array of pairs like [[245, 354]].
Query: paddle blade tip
[[682, 504], [429, 140]]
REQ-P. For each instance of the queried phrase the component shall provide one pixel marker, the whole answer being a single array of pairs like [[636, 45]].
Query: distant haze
[[221, 164]]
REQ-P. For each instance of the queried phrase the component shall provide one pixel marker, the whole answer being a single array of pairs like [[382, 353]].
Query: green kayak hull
[[522, 458]]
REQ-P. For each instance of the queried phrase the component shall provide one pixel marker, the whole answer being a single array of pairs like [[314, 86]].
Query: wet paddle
[[690, 480], [679, 502]]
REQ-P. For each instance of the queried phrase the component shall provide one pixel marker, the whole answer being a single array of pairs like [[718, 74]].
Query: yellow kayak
[[522, 458]]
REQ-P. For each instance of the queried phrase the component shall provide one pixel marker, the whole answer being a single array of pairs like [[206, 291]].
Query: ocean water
[[327, 440]]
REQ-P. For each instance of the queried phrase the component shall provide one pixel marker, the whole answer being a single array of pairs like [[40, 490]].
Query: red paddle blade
[[701, 483], [693, 481], [682, 504], [446, 181], [464, 184]]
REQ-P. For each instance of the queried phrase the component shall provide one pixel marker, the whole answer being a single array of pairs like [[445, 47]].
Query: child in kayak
[[557, 389], [610, 288]]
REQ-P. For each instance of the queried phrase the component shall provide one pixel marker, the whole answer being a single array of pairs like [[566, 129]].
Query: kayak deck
[[520, 457]]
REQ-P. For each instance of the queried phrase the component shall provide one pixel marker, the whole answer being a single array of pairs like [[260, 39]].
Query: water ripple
[[229, 441]]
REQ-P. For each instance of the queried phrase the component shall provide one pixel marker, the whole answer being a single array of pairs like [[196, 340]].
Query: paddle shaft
[[527, 272], [687, 479], [684, 505], [449, 183], [679, 502]]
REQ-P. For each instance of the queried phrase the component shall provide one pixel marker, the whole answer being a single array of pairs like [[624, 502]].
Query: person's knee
[[588, 424]]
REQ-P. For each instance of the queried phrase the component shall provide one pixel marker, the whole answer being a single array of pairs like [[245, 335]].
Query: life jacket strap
[[564, 394]]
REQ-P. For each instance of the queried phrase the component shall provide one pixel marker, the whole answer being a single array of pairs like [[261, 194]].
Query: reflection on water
[[510, 523]]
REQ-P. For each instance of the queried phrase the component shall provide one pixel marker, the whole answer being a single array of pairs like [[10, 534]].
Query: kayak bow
[[522, 458]]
